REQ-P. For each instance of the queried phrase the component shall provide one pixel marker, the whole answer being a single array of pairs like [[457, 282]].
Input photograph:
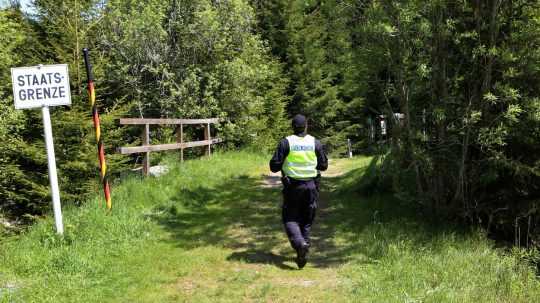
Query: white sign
[[38, 86], [44, 86]]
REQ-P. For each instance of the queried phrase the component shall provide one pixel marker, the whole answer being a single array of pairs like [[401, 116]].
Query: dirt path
[[256, 255], [320, 275]]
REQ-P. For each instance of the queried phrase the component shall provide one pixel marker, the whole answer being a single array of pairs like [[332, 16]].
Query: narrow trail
[[254, 253], [323, 233], [320, 273]]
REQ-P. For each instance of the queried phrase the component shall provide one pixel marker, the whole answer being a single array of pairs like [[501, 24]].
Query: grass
[[210, 231]]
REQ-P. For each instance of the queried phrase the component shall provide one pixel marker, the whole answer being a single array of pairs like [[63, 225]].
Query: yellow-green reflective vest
[[301, 163]]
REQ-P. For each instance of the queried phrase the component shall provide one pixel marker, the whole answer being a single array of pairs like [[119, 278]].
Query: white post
[[349, 147], [52, 170]]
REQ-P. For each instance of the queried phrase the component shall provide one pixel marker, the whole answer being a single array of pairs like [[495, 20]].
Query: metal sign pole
[[52, 170]]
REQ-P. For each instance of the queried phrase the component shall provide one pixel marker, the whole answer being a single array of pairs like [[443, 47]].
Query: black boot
[[301, 255]]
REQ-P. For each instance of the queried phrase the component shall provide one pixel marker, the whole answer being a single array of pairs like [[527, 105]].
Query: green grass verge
[[210, 231]]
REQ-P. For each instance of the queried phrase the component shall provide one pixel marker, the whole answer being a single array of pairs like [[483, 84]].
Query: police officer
[[300, 158]]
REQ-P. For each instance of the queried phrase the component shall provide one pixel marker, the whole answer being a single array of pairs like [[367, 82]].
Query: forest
[[457, 84]]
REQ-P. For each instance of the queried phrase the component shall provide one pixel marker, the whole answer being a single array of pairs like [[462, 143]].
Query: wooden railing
[[146, 148]]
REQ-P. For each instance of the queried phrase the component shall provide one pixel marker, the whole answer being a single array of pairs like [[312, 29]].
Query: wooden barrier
[[146, 148]]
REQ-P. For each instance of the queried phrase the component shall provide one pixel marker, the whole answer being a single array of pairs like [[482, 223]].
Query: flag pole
[[99, 139]]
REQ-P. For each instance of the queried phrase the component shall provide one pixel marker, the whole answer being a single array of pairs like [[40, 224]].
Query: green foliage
[[325, 77], [195, 59], [465, 76], [21, 189], [177, 59]]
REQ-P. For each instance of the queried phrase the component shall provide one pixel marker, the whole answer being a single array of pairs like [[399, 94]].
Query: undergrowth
[[210, 231]]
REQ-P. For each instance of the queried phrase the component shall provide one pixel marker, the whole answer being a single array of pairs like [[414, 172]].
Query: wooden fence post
[[180, 139], [207, 137], [146, 142], [349, 147]]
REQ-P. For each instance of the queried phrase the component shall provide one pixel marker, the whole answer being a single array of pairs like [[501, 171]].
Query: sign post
[[44, 86], [52, 169]]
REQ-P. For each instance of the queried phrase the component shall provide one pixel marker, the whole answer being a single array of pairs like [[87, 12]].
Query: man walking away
[[300, 158]]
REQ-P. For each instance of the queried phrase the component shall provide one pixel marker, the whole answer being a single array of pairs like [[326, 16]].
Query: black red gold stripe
[[97, 127]]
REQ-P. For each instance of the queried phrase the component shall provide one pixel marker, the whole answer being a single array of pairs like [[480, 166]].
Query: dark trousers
[[298, 212]]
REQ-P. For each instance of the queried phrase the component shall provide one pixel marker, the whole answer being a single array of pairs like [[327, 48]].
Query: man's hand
[[286, 182]]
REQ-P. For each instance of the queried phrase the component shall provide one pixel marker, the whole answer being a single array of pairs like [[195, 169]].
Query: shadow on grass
[[261, 257], [243, 214]]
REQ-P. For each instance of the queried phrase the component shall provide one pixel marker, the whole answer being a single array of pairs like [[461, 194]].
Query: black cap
[[299, 123]]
